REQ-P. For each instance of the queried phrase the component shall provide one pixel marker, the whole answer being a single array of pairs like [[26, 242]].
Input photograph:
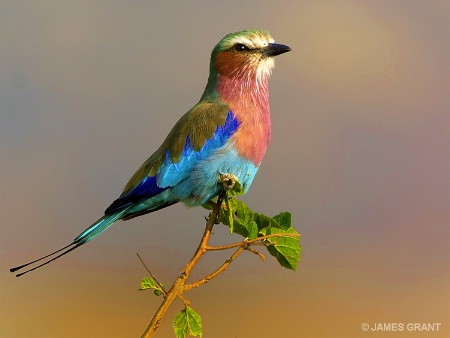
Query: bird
[[224, 137]]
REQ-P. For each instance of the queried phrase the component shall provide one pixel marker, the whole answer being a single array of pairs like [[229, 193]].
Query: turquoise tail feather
[[87, 235], [99, 226]]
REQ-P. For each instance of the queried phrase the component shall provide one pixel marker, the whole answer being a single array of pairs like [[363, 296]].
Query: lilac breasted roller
[[226, 134]]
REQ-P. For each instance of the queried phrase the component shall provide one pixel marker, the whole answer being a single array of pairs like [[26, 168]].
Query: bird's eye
[[239, 47]]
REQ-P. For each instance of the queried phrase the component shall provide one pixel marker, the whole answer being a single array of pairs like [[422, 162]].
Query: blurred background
[[360, 113]]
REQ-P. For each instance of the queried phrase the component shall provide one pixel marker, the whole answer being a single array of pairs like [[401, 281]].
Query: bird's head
[[246, 55]]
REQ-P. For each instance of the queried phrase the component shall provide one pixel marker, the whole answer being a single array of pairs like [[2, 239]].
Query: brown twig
[[247, 243], [222, 268], [256, 252], [178, 286]]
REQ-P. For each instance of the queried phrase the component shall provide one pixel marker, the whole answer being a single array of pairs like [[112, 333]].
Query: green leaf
[[180, 325], [227, 213], [148, 283], [285, 249], [243, 221], [249, 231], [284, 219], [244, 217], [237, 190], [265, 221], [194, 322], [252, 229], [240, 218], [207, 206], [187, 320]]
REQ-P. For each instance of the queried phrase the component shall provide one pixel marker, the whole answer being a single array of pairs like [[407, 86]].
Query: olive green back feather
[[199, 123]]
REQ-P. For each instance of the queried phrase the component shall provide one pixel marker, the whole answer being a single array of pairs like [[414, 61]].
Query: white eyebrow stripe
[[253, 42]]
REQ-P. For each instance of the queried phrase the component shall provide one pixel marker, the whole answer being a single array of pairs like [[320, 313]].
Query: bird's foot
[[216, 221], [228, 180]]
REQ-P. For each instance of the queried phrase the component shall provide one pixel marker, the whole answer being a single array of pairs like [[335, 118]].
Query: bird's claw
[[228, 180], [208, 218]]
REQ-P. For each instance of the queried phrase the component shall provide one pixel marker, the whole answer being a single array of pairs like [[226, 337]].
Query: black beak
[[276, 49]]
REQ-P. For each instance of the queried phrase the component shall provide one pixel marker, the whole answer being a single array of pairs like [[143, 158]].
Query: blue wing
[[152, 193], [172, 173]]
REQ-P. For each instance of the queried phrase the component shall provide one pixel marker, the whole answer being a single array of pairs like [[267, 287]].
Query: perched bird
[[223, 137]]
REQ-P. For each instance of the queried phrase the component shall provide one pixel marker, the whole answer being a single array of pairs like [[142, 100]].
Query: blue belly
[[202, 182]]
